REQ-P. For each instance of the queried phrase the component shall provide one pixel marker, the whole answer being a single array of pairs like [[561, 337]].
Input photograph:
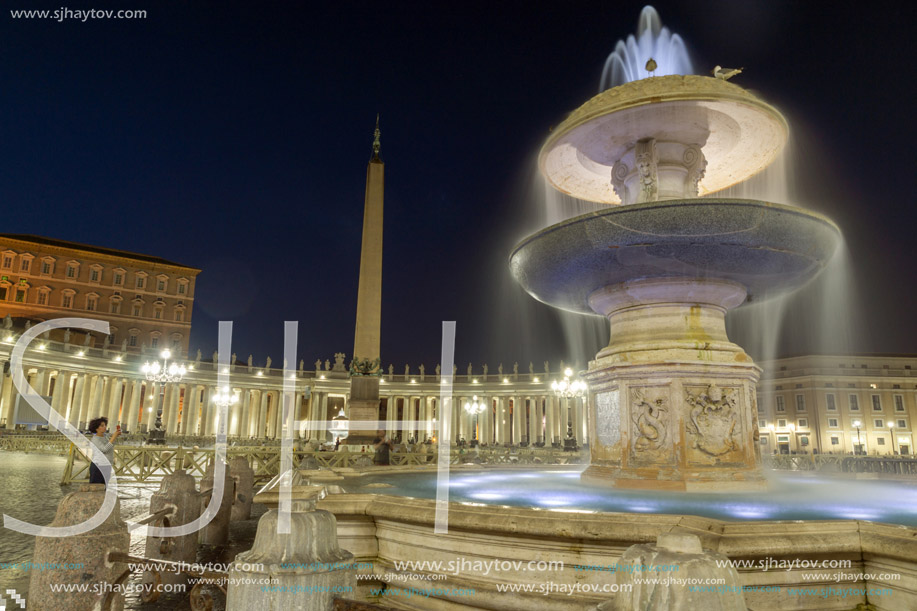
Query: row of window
[[833, 423], [831, 404], [118, 276], [19, 294], [155, 337]]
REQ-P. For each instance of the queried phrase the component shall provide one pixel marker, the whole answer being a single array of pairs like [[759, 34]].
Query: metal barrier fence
[[840, 463]]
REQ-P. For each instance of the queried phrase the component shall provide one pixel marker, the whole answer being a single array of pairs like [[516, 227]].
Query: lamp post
[[792, 428], [162, 373], [857, 424], [569, 389], [340, 427], [223, 398], [473, 409], [891, 433]]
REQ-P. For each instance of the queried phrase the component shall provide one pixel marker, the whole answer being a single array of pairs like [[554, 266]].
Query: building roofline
[[101, 250]]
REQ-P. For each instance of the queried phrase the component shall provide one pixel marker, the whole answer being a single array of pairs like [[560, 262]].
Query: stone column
[[61, 386], [208, 412], [193, 416], [89, 385], [174, 404], [277, 428], [235, 417], [261, 423], [517, 420], [114, 402], [549, 421], [73, 416], [7, 400], [43, 385], [133, 410], [578, 421], [246, 400], [322, 433]]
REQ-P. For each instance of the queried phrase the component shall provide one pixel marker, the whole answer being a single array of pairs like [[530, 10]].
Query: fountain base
[[672, 399]]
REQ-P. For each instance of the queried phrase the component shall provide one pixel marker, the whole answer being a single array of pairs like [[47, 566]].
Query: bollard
[[244, 477], [307, 567], [217, 532], [177, 492], [684, 551], [87, 552]]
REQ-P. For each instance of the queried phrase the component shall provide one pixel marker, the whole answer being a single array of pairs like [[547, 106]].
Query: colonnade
[[188, 408]]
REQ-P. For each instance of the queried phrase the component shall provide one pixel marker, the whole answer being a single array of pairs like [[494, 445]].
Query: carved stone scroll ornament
[[713, 420], [696, 164], [618, 174]]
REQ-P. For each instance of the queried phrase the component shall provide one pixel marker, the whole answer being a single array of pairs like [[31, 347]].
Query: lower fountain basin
[[768, 248]]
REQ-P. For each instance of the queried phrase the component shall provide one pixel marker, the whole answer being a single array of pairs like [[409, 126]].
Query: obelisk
[[364, 390]]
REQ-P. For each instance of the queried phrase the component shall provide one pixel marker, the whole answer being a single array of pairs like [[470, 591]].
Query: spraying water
[[628, 62]]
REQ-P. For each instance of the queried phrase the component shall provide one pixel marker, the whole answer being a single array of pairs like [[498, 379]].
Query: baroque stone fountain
[[671, 399]]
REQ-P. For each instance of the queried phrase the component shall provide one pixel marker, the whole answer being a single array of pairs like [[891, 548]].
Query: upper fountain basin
[[737, 133], [767, 248]]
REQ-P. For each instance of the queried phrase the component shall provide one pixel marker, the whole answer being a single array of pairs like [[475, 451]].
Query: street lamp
[[473, 409], [858, 424], [792, 428], [891, 433], [567, 389], [162, 373], [223, 398], [340, 426]]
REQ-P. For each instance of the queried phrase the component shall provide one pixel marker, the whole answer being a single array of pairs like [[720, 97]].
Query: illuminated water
[[628, 61], [790, 497]]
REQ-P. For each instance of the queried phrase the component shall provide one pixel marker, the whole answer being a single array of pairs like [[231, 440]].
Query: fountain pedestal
[[671, 398]]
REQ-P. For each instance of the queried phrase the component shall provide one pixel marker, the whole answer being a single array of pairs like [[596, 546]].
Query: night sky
[[234, 138]]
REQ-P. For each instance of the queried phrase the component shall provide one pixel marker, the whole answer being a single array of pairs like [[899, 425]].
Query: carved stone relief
[[651, 434], [713, 424]]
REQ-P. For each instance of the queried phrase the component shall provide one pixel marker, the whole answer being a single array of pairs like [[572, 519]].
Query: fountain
[[672, 400]]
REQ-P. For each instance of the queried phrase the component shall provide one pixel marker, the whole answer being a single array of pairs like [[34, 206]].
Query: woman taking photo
[[98, 427]]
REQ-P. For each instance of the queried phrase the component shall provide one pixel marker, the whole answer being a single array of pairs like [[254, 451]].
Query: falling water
[[628, 61]]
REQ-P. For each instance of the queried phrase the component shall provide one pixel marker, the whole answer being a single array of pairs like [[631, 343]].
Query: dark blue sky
[[234, 136]]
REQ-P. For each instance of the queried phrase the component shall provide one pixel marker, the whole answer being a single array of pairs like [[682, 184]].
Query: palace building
[[147, 300]]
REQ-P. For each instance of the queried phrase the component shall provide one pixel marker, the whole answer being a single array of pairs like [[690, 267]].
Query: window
[[136, 310], [854, 403], [780, 405], [851, 385], [778, 387], [830, 384], [24, 265], [20, 295], [139, 282], [781, 424], [764, 441], [92, 303], [832, 406], [179, 316], [118, 279], [902, 424], [115, 307], [154, 343], [762, 424], [899, 403], [7, 262], [878, 423], [176, 343], [800, 403], [43, 298], [803, 423], [157, 313], [835, 441], [94, 275], [832, 422], [896, 386], [880, 441], [3, 291], [132, 341], [67, 301], [71, 271], [161, 286], [876, 403], [799, 386], [182, 287], [45, 268]]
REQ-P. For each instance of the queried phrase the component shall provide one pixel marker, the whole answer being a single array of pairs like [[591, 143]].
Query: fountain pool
[[559, 489]]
